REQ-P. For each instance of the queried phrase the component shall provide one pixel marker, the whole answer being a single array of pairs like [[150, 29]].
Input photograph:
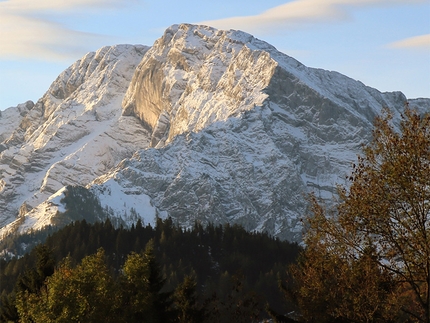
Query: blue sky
[[383, 43]]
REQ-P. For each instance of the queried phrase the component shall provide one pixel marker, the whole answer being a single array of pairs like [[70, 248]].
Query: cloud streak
[[57, 5], [299, 13], [417, 42], [24, 34]]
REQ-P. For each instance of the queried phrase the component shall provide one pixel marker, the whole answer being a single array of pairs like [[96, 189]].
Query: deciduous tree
[[81, 294], [142, 288], [368, 258]]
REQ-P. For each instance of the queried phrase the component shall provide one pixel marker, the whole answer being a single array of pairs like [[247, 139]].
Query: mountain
[[208, 125]]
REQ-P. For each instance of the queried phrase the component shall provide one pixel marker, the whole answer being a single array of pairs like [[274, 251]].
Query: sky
[[383, 43]]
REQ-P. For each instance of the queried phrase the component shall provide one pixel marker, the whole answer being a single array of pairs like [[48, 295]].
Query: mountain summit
[[206, 125]]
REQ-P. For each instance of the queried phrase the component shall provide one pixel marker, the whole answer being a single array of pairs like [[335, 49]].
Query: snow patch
[[128, 205]]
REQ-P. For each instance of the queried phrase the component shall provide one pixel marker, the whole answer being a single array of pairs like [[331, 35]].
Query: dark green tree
[[143, 298], [8, 310], [32, 280], [186, 303]]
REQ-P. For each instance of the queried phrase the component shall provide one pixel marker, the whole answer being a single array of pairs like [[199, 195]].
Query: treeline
[[367, 258], [80, 203], [222, 273]]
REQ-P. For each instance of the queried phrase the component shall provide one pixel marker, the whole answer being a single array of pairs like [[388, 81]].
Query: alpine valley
[[206, 125]]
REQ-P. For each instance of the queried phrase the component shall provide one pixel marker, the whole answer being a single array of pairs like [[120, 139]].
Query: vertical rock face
[[207, 125], [257, 129], [194, 76]]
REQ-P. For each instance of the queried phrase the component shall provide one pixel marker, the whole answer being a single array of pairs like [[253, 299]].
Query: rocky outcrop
[[207, 125], [194, 76], [73, 134], [247, 131]]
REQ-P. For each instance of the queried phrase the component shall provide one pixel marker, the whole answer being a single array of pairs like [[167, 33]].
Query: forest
[[365, 257], [233, 274]]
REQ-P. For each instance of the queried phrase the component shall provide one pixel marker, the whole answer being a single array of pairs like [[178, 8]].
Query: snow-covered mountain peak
[[194, 76], [73, 133], [208, 125], [92, 81]]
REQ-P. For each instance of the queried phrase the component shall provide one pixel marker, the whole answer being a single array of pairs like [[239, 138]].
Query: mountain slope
[[214, 126], [73, 134]]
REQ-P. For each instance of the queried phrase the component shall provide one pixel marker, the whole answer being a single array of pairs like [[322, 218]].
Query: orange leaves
[[374, 247]]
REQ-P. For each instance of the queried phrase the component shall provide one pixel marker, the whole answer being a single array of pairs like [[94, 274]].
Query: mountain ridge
[[207, 125]]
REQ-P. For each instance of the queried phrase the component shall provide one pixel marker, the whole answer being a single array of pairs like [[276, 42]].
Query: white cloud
[[417, 42], [23, 33], [298, 13], [57, 5]]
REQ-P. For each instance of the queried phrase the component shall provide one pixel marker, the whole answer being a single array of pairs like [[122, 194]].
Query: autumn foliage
[[368, 258]]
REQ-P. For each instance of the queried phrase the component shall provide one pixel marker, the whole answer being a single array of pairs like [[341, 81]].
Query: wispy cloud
[[298, 13], [28, 28], [417, 42], [32, 5]]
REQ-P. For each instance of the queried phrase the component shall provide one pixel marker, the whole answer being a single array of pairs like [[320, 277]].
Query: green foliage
[[81, 294], [8, 311], [187, 308], [80, 204], [235, 273], [233, 302], [20, 244], [143, 299]]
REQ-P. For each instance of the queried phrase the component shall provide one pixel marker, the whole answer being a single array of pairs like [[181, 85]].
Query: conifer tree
[[143, 296], [185, 300]]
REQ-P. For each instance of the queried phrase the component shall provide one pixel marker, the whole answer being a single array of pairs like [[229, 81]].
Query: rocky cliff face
[[194, 76], [73, 134], [205, 125]]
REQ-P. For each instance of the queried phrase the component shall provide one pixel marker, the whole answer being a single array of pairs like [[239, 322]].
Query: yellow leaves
[[386, 210], [82, 293]]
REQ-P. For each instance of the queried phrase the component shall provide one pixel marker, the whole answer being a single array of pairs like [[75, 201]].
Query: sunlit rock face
[[194, 76], [206, 125], [73, 134]]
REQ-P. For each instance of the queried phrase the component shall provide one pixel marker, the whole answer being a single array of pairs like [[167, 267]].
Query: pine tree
[[142, 288], [185, 300]]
